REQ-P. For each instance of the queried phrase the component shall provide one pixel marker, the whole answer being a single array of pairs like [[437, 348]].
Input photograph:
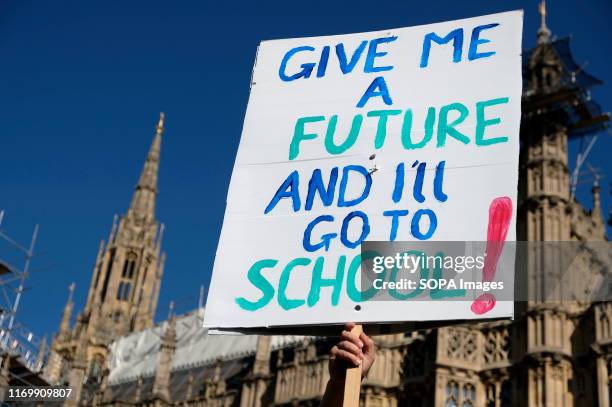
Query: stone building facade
[[553, 354]]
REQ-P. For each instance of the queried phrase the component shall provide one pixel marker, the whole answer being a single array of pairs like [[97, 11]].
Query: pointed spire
[[596, 213], [543, 32], [143, 201], [169, 338], [171, 311], [67, 314]]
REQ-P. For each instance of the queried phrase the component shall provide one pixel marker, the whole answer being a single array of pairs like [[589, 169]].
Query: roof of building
[[136, 355]]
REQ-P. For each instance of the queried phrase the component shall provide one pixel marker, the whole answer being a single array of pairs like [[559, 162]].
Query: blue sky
[[82, 84]]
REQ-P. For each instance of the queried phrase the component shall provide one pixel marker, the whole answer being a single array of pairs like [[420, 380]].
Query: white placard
[[337, 134]]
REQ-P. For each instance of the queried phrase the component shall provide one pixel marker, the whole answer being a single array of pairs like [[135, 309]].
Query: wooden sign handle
[[352, 383]]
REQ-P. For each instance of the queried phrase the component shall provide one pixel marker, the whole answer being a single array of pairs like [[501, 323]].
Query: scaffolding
[[571, 104], [15, 338]]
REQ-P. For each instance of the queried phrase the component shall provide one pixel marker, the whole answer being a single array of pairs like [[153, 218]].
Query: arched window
[[452, 394], [123, 292], [469, 395], [95, 370], [129, 266], [127, 276], [131, 269]]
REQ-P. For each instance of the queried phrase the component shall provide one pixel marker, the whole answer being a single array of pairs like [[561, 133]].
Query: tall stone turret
[[256, 388], [124, 287], [64, 330], [60, 352], [161, 384]]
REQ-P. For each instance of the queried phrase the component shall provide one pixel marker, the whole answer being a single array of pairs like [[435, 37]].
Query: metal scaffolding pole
[[15, 338]]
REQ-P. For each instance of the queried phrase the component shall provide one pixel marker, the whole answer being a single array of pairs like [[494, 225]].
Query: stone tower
[[161, 382], [554, 353], [125, 284], [124, 287], [556, 107]]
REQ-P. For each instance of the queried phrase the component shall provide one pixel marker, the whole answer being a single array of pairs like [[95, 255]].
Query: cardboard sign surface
[[407, 134]]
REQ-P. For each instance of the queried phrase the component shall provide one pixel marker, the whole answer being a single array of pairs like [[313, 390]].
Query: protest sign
[[408, 134]]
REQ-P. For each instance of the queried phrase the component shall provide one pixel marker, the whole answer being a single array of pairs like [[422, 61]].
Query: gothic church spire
[[67, 314], [543, 32], [145, 194]]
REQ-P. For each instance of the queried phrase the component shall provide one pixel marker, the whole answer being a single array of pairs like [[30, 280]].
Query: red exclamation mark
[[500, 214]]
